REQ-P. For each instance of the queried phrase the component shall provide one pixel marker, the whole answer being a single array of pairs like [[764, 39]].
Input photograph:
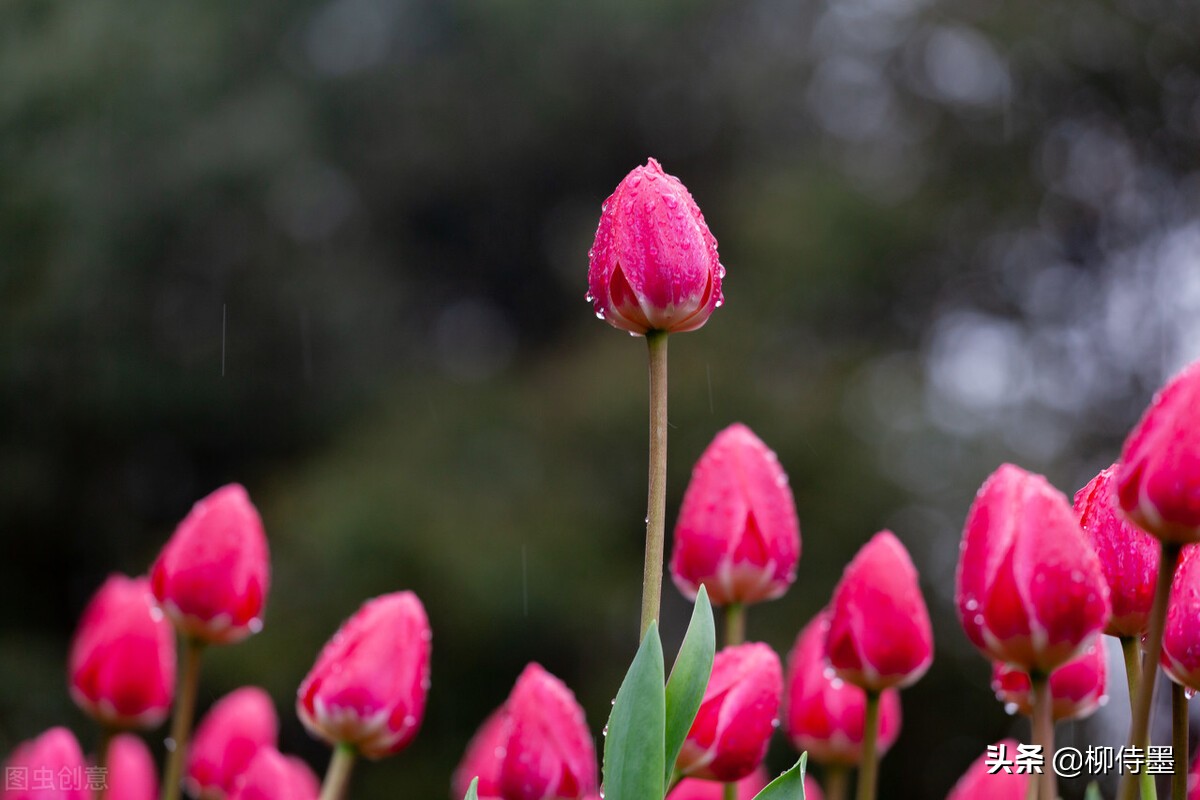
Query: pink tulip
[[979, 783], [1077, 688], [369, 684], [274, 776], [1128, 556], [824, 715], [654, 264], [548, 752], [235, 728], [733, 727], [737, 532], [484, 758], [1158, 483], [1193, 779], [50, 767], [879, 631], [212, 576], [122, 663], [131, 771], [747, 788], [1030, 591], [1181, 637]]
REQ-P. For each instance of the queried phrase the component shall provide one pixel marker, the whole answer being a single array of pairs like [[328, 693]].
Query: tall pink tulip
[[369, 684], [1181, 636], [271, 775], [548, 752], [654, 264], [131, 771], [980, 783], [1158, 483], [122, 663], [484, 758], [212, 576], [1128, 556], [879, 631], [825, 716], [1030, 591], [1077, 688], [235, 728], [49, 767], [739, 712], [737, 533], [747, 788]]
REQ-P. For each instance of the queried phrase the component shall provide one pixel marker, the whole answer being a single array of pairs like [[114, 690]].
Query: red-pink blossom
[[234, 729], [369, 684], [49, 767], [822, 714], [747, 788], [1077, 688], [122, 665], [273, 776], [1181, 636], [739, 712], [1128, 556], [737, 533], [1158, 483], [980, 782], [131, 772], [484, 758], [1030, 590], [654, 264], [212, 576], [879, 631]]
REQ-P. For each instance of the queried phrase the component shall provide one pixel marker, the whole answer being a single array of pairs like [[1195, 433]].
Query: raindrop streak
[[524, 582], [306, 346], [222, 340]]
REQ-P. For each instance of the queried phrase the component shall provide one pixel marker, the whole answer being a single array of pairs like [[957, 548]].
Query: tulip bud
[[1077, 688], [1128, 556], [131, 771], [549, 752], [484, 758], [737, 532], [823, 714], [1193, 779], [274, 776], [369, 684], [729, 737], [980, 783], [50, 766], [879, 631], [1181, 637], [122, 663], [212, 576], [654, 264], [747, 788], [235, 728], [1030, 591], [1158, 483]]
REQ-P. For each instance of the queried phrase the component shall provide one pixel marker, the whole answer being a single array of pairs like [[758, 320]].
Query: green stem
[[656, 502], [337, 776], [185, 710], [837, 782], [1179, 740], [735, 624], [868, 768], [1133, 666], [731, 791], [106, 737], [1139, 731], [1043, 731]]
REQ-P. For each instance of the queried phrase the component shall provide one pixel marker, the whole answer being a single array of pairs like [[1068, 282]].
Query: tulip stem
[[337, 776], [185, 711], [106, 737], [1179, 740], [837, 782], [1139, 731], [735, 624], [656, 503], [1043, 732], [866, 772], [730, 791], [1133, 666]]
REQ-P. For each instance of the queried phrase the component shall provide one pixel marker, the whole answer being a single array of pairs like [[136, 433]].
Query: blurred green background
[[336, 251]]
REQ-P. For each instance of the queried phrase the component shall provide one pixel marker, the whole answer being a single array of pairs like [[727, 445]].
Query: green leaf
[[1093, 792], [633, 743], [689, 678], [788, 786], [473, 790]]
